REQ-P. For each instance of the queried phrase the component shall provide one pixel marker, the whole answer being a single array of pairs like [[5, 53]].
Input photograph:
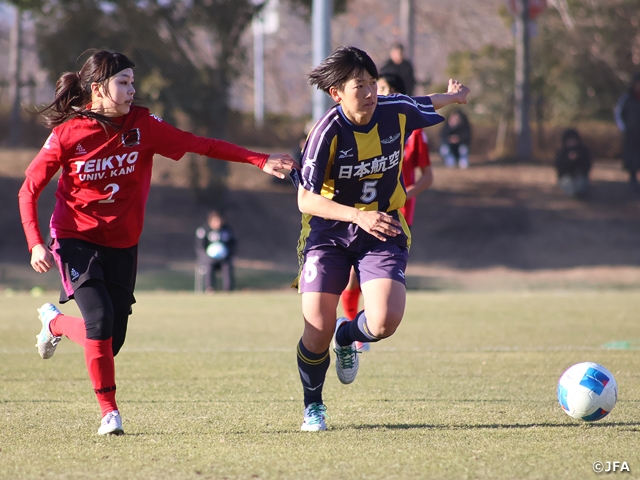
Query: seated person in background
[[215, 247], [455, 138], [573, 162]]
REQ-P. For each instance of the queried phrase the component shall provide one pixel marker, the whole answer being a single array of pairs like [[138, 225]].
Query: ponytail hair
[[73, 89]]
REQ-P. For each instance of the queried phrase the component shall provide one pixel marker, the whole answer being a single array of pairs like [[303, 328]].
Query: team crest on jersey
[[391, 139], [131, 138]]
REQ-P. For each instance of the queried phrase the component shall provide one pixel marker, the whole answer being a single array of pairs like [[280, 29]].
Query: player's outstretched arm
[[456, 93], [279, 161]]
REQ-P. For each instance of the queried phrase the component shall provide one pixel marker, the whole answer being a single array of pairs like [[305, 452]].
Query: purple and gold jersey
[[360, 166]]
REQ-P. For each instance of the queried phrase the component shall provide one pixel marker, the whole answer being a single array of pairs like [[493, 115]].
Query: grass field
[[208, 388]]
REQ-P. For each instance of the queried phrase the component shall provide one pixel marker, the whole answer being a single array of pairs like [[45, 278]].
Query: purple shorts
[[326, 268]]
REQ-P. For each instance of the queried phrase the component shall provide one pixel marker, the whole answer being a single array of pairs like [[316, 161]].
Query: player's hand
[[279, 161], [378, 224], [459, 90], [41, 258]]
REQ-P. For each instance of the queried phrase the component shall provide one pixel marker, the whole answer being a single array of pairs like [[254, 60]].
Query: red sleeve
[[423, 157], [410, 149], [39, 173], [173, 143]]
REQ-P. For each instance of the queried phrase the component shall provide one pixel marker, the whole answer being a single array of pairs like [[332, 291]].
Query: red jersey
[[416, 155], [106, 175]]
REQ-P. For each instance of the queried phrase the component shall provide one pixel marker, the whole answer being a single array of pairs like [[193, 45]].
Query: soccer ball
[[217, 251], [587, 391]]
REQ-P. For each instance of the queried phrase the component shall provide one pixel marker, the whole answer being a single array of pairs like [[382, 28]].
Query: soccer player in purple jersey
[[350, 195]]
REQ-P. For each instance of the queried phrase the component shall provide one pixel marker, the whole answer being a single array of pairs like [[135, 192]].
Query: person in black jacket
[[215, 248], [455, 138], [401, 66], [573, 163]]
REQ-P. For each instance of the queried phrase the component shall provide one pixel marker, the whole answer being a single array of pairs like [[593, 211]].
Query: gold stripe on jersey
[[367, 207], [368, 144], [405, 228], [399, 195], [302, 241], [328, 185]]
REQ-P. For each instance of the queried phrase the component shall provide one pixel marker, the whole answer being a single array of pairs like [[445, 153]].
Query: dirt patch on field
[[494, 225]]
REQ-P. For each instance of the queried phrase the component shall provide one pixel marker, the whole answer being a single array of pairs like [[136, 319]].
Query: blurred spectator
[[455, 138], [400, 66], [215, 247], [627, 113], [573, 162]]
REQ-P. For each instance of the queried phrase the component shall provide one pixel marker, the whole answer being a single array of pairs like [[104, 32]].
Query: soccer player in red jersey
[[416, 157], [104, 146], [350, 195]]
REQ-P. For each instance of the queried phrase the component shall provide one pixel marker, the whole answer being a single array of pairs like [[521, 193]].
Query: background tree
[[187, 55], [582, 59]]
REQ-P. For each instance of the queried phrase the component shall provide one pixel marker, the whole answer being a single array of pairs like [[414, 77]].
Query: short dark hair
[[395, 82], [341, 66]]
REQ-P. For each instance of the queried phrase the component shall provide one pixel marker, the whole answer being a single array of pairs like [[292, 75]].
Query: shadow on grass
[[492, 426], [332, 428]]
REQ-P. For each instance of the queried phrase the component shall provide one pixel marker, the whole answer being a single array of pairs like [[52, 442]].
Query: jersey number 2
[[114, 189]]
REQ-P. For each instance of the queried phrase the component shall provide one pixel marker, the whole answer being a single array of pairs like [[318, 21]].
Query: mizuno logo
[[74, 275], [80, 150], [346, 153], [391, 139]]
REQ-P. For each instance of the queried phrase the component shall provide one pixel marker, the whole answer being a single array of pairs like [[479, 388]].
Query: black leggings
[[105, 310]]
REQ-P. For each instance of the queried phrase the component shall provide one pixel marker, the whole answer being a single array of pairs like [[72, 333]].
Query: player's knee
[[99, 324], [385, 326], [385, 331]]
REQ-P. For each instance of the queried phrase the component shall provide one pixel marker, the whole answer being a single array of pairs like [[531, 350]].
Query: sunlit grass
[[208, 388]]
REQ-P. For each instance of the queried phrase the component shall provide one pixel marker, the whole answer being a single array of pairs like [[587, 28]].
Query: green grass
[[208, 388]]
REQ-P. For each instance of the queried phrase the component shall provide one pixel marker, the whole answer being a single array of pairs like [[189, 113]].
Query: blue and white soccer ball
[[217, 251], [587, 391]]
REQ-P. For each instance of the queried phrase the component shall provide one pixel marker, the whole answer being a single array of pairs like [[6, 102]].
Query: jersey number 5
[[369, 192], [114, 189]]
